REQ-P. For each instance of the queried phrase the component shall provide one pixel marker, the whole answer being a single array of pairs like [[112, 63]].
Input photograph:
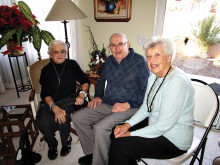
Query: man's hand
[[120, 107], [59, 114], [122, 130], [94, 102], [80, 99]]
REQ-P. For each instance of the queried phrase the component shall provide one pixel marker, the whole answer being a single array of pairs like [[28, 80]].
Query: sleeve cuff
[[132, 133]]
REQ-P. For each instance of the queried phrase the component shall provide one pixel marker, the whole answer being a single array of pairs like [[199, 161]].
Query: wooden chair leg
[[73, 131], [42, 139]]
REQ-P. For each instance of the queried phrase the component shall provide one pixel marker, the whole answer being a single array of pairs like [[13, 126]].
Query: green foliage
[[26, 11], [6, 37], [206, 33], [19, 35], [95, 64], [46, 36], [36, 38], [97, 57], [34, 34]]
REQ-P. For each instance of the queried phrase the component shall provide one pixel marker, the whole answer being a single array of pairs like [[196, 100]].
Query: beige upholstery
[[35, 71]]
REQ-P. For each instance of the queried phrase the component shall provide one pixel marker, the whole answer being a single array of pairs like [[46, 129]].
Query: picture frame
[[112, 10]]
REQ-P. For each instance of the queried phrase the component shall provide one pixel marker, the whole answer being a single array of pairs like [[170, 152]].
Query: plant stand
[[22, 87]]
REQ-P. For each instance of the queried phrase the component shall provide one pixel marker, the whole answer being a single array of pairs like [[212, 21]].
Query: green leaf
[[19, 35], [25, 7], [6, 37], [26, 11], [206, 32], [47, 36], [36, 38]]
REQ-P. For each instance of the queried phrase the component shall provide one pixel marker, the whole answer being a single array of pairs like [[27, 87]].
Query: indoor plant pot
[[17, 23]]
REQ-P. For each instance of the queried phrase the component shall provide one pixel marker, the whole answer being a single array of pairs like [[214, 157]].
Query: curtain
[[4, 70], [159, 17], [40, 9]]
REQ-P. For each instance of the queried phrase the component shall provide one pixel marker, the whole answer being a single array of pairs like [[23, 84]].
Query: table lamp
[[64, 10]]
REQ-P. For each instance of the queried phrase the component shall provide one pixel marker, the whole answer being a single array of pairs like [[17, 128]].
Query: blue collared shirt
[[126, 82]]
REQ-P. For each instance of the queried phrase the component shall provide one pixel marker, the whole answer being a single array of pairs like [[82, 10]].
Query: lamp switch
[[141, 40]]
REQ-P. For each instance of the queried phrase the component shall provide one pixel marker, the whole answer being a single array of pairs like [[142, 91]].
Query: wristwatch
[[51, 106], [83, 93]]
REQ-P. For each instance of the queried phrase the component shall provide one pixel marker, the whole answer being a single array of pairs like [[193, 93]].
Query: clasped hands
[[59, 114], [122, 130]]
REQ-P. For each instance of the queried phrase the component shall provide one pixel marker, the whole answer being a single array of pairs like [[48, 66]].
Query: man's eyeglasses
[[119, 45], [59, 52]]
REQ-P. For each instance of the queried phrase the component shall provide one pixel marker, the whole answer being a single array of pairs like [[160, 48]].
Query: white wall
[[141, 23]]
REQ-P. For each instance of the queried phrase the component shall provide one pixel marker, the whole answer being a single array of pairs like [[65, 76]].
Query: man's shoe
[[65, 150], [52, 154], [85, 160]]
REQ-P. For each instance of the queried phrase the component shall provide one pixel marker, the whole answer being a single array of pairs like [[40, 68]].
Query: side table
[[22, 87], [14, 119], [93, 80]]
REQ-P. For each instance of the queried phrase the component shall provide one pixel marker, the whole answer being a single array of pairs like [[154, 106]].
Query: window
[[180, 17]]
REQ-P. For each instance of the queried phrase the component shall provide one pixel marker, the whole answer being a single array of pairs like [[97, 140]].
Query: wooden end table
[[13, 117], [93, 80]]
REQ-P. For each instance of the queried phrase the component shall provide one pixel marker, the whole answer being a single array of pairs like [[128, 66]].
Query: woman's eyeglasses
[[59, 52]]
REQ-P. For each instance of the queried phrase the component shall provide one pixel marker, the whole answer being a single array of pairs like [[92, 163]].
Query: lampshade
[[64, 10]]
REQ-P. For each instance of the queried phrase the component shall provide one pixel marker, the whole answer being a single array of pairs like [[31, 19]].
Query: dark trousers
[[45, 120], [127, 150]]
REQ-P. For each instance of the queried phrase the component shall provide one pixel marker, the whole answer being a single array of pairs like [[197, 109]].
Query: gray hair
[[168, 45], [55, 42], [121, 34]]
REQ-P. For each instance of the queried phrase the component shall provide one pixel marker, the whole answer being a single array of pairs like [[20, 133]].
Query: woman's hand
[[122, 130], [59, 114], [120, 107], [94, 102], [80, 99]]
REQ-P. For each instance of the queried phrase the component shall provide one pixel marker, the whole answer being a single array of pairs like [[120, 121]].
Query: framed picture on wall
[[112, 10]]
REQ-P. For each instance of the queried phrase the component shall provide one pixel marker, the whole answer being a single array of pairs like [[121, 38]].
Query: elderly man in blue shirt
[[126, 74]]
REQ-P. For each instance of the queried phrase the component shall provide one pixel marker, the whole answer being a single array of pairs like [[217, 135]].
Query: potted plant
[[97, 57], [17, 23], [206, 33]]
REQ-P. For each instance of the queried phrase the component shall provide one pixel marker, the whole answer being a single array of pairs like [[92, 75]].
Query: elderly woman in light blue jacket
[[168, 105]]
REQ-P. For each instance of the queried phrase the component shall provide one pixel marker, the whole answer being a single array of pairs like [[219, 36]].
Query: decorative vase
[[14, 49], [109, 7]]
